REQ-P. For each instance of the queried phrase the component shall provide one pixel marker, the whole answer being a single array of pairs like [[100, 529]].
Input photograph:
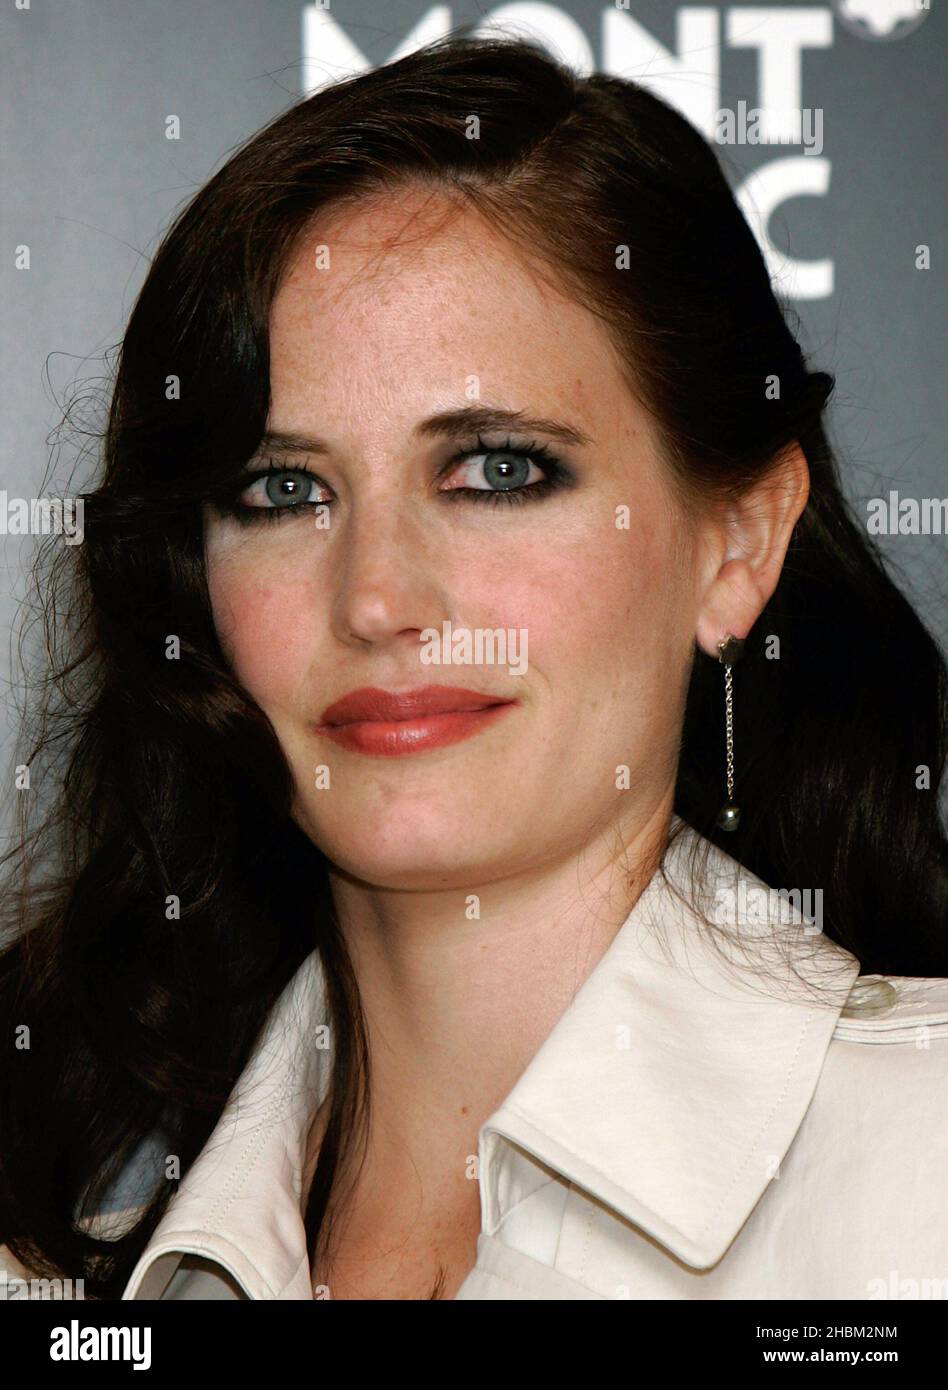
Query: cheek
[[264, 625], [603, 600]]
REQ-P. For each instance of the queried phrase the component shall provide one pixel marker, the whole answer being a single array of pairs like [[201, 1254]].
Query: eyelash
[[557, 476]]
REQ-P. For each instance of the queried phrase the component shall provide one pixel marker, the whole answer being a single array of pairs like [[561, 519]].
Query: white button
[[871, 994]]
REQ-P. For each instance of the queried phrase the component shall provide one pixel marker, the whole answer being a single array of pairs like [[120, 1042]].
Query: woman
[[383, 980]]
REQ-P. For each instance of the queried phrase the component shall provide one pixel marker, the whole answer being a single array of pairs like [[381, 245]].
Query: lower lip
[[396, 738]]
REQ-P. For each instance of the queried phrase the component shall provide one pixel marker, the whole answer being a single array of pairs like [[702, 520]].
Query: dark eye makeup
[[558, 475]]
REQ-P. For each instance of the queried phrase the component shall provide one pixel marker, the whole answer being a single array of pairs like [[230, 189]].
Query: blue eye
[[278, 492], [285, 488], [507, 474]]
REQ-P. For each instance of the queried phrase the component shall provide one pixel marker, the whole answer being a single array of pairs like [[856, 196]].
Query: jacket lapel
[[239, 1203], [673, 1085]]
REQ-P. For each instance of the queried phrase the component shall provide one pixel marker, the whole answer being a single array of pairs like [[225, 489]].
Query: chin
[[414, 853]]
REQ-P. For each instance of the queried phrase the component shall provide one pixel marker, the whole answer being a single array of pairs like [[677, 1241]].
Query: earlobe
[[757, 529], [732, 605]]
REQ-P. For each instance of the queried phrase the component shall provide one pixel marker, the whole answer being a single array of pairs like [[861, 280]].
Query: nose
[[388, 580]]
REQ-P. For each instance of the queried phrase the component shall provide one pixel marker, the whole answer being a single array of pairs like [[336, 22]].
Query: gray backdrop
[[91, 180]]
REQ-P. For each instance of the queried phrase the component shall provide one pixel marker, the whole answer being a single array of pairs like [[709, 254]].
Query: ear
[[745, 546]]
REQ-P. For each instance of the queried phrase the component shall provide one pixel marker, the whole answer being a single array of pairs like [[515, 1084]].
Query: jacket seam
[[881, 1032], [248, 1159], [587, 1235], [764, 1126]]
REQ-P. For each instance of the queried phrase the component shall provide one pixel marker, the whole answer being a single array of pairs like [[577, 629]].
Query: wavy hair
[[155, 779]]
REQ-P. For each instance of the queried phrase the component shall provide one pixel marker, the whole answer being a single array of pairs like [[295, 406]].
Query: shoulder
[[896, 1011], [887, 1063], [879, 1105], [872, 1151]]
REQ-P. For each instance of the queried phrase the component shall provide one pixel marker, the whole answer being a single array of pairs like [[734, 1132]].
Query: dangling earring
[[730, 650]]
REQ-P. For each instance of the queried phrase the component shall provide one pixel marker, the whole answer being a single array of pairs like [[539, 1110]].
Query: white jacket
[[687, 1131]]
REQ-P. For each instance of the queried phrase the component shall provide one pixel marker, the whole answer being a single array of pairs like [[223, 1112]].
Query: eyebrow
[[447, 424]]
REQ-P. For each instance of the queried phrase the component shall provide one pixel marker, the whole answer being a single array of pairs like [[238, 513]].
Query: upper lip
[[373, 705]]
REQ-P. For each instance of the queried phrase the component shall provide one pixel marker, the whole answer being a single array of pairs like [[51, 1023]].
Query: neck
[[457, 1005]]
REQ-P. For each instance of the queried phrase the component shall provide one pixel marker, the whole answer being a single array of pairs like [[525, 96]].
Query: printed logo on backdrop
[[881, 20], [687, 74]]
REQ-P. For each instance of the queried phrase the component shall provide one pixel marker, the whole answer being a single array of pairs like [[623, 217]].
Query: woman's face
[[415, 318]]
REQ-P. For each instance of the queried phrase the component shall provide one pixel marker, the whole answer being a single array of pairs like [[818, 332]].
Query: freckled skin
[[360, 354]]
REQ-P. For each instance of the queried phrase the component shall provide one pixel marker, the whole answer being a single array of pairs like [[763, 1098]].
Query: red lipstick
[[384, 724]]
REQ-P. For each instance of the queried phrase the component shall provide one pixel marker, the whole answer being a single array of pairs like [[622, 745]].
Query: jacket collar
[[239, 1203], [670, 1089], [674, 1084]]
